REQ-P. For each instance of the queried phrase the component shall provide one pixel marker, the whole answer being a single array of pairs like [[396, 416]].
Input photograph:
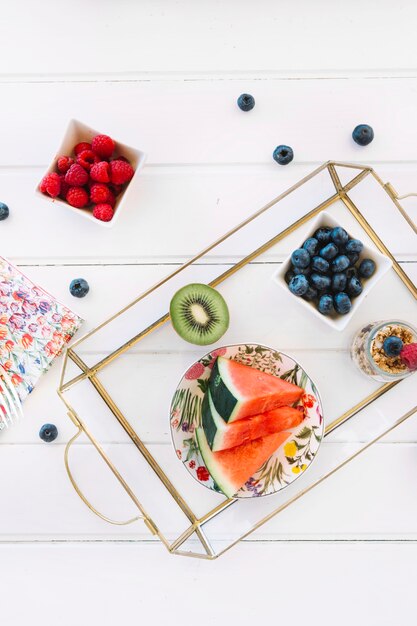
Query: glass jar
[[366, 350]]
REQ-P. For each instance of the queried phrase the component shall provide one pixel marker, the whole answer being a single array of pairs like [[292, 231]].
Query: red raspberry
[[121, 158], [120, 172], [409, 356], [111, 199], [103, 145], [87, 158], [100, 172], [64, 187], [77, 196], [64, 163], [103, 212], [51, 184], [76, 176], [116, 189], [81, 146], [99, 193]]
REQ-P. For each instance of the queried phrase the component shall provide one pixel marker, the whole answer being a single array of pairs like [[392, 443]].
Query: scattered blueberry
[[325, 305], [290, 274], [310, 294], [339, 282], [340, 263], [363, 134], [323, 235], [392, 346], [353, 258], [246, 102], [342, 303], [354, 245], [318, 264], [306, 271], [298, 285], [283, 155], [311, 245], [79, 287], [300, 258], [367, 268], [329, 251], [4, 211], [321, 283], [48, 433], [354, 287], [339, 236]]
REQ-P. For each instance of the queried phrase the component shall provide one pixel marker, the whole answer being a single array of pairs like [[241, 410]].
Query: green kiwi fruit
[[199, 314]]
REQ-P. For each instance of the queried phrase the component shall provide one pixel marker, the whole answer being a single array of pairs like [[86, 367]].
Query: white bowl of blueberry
[[331, 272]]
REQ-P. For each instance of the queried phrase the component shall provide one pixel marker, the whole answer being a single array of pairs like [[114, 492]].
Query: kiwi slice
[[199, 314]]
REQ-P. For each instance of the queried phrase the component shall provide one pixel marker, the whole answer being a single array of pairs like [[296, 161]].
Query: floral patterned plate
[[289, 461]]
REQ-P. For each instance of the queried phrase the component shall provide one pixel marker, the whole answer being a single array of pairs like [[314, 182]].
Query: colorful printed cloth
[[34, 328]]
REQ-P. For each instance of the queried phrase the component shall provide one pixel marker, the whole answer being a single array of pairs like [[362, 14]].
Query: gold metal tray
[[105, 371]]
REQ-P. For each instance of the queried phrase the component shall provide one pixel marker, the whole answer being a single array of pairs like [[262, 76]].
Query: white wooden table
[[164, 77]]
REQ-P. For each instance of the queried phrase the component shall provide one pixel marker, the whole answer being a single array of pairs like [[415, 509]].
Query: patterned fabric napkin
[[34, 328]]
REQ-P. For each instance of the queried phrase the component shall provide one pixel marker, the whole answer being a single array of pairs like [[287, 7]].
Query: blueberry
[[363, 134], [290, 274], [246, 102], [392, 346], [4, 211], [367, 268], [306, 271], [323, 235], [339, 282], [311, 245], [354, 287], [300, 258], [329, 251], [310, 294], [353, 258], [340, 263], [298, 285], [339, 236], [342, 303], [321, 283], [48, 433], [79, 287], [320, 265], [354, 246], [283, 155], [325, 305]]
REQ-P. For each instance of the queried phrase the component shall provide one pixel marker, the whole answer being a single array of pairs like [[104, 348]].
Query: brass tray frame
[[91, 373]]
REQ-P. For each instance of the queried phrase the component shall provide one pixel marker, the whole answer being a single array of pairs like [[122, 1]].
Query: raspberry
[[64, 163], [111, 199], [64, 187], [100, 172], [76, 176], [116, 189], [81, 146], [409, 356], [120, 172], [51, 184], [77, 196], [87, 158], [103, 212], [121, 158], [103, 145], [99, 193]]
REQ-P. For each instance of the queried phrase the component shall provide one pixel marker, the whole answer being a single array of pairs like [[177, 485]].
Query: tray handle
[[80, 493], [395, 197]]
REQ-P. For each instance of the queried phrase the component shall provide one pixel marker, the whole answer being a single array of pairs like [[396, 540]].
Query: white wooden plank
[[160, 36], [199, 121]]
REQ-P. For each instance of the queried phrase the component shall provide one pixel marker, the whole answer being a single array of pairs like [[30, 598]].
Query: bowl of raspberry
[[91, 174]]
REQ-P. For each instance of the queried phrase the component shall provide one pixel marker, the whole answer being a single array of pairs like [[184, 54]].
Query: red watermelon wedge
[[240, 391], [221, 435], [230, 469]]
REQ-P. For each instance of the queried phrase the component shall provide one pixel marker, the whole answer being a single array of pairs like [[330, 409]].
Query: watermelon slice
[[230, 469], [221, 436], [240, 391]]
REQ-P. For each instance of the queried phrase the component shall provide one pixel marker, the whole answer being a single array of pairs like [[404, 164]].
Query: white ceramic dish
[[383, 264], [75, 133]]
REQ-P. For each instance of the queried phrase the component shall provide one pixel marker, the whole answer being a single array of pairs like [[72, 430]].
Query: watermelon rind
[[213, 467]]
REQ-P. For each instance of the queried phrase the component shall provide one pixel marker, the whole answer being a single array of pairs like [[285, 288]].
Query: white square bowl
[[75, 133], [336, 321]]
